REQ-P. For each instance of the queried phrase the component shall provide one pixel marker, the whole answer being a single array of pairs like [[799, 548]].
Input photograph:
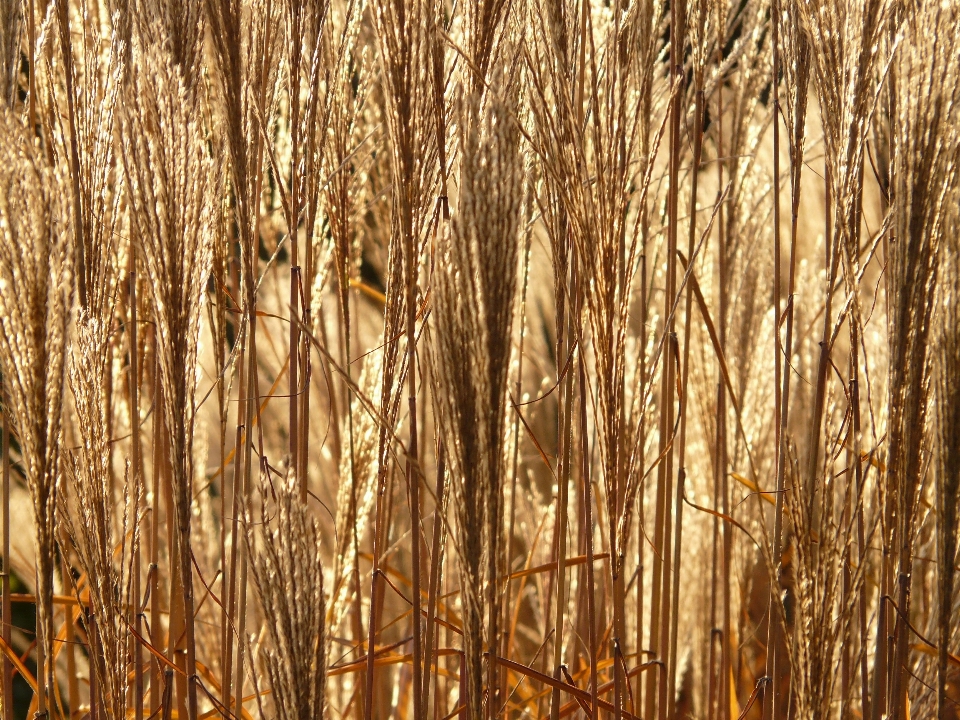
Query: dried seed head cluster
[[36, 293], [476, 280], [288, 575]]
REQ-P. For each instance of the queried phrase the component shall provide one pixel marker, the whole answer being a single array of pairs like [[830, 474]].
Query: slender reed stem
[[782, 379], [564, 436], [134, 391], [153, 572], [413, 473], [436, 568], [685, 375], [660, 611], [585, 483], [5, 627]]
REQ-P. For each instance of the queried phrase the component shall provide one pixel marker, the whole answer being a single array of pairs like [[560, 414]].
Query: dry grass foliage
[[288, 575], [485, 359]]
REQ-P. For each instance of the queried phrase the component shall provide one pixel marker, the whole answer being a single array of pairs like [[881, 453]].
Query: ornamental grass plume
[[288, 575], [476, 280], [948, 460], [104, 536], [925, 187], [36, 294], [173, 188], [88, 507]]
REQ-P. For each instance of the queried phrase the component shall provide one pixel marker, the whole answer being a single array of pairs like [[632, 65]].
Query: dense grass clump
[[480, 358]]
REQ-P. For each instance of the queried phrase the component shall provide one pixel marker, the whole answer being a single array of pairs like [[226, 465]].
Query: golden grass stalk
[[948, 462], [288, 576], [11, 22], [588, 139], [6, 667], [89, 515], [926, 179], [355, 494], [245, 67], [174, 188], [36, 292], [305, 23], [476, 280], [403, 32], [94, 529], [795, 49]]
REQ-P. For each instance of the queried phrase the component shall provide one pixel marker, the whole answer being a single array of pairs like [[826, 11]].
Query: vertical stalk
[[250, 409], [292, 225], [831, 260], [63, 25], [641, 463], [660, 610], [32, 78], [413, 463], [667, 605], [618, 487], [177, 625], [220, 353], [181, 509], [382, 521], [251, 405], [857, 451], [73, 686], [134, 388], [646, 101], [436, 564], [229, 615], [772, 697], [861, 557], [564, 431], [682, 442], [726, 665], [293, 375], [93, 649], [5, 628], [846, 659], [712, 678], [378, 540], [518, 394], [41, 687], [720, 447], [153, 572], [588, 536]]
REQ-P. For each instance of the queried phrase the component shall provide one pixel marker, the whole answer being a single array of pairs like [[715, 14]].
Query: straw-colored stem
[[133, 381], [771, 698], [436, 568], [564, 438], [586, 488], [6, 625], [685, 376], [153, 571]]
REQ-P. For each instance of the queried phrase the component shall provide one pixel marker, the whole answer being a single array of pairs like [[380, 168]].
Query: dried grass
[[682, 468]]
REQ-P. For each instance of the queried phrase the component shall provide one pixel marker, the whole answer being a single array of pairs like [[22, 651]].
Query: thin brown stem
[[782, 379], [586, 486], [564, 437], [133, 380], [436, 566], [6, 626]]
